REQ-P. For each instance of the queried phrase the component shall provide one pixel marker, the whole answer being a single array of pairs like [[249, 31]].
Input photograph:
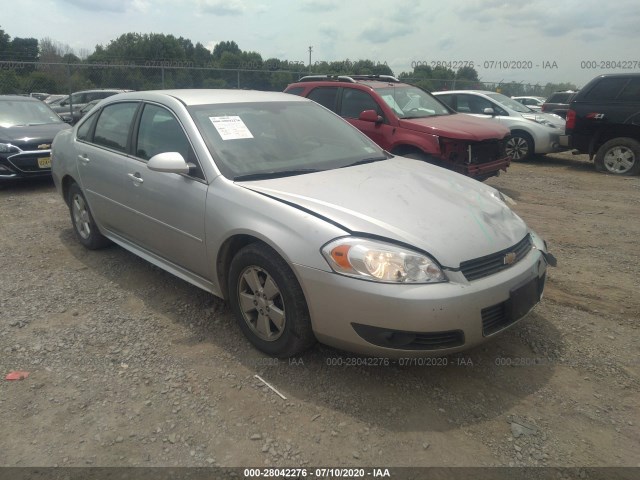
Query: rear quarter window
[[606, 89], [295, 90]]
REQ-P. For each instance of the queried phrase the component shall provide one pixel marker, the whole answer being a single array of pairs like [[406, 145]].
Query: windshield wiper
[[367, 160], [275, 174]]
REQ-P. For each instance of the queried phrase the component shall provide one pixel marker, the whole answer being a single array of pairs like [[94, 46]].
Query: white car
[[531, 132]]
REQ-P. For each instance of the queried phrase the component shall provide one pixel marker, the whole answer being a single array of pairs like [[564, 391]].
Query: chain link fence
[[18, 77]]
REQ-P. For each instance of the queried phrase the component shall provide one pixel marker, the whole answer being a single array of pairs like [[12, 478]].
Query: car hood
[[456, 126], [541, 117], [21, 135], [447, 215]]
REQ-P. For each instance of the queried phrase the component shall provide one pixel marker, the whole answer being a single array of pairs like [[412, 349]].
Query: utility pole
[[310, 50]]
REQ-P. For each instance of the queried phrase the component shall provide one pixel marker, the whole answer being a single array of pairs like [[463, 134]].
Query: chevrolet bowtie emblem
[[44, 146], [510, 258]]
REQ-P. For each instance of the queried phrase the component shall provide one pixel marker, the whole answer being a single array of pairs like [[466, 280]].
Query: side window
[[607, 89], [295, 90], [160, 132], [112, 127], [325, 96], [356, 101], [631, 92], [84, 130], [447, 100], [474, 104]]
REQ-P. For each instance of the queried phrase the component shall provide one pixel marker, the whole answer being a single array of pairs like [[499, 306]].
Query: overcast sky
[[490, 33]]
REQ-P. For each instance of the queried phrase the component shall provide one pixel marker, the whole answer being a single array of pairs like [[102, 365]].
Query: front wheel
[[83, 224], [268, 302], [519, 147], [620, 156]]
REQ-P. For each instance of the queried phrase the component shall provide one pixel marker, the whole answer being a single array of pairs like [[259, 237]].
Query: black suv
[[604, 121], [558, 103]]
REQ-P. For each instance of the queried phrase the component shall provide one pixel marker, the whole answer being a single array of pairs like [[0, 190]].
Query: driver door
[[353, 103], [167, 208]]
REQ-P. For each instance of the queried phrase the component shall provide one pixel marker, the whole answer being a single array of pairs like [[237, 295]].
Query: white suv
[[531, 132]]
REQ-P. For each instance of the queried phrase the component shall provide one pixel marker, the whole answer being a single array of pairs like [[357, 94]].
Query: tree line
[[149, 61]]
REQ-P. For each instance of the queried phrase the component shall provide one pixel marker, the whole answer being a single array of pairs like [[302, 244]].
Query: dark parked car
[[410, 122], [77, 114], [558, 103], [27, 128], [603, 121], [78, 100]]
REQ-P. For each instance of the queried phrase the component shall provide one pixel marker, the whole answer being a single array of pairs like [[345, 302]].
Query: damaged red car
[[408, 121]]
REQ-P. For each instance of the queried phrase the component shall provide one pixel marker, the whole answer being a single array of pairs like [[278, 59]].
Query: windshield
[[280, 138], [509, 103], [411, 102], [26, 112]]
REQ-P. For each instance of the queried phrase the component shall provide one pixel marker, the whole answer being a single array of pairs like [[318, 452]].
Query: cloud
[[378, 32], [118, 6], [222, 8], [318, 5]]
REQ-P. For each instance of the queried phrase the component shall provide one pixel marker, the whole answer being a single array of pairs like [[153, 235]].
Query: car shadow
[[436, 394], [26, 185], [564, 160]]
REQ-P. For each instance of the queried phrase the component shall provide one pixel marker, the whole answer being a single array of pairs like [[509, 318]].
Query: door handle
[[137, 179], [84, 159]]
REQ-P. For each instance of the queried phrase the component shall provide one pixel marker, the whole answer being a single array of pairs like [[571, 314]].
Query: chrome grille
[[494, 263]]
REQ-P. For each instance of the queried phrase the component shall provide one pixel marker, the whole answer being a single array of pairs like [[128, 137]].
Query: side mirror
[[370, 116], [168, 162], [66, 118], [488, 111]]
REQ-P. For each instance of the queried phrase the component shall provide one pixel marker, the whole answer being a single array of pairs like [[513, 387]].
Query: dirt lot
[[130, 366]]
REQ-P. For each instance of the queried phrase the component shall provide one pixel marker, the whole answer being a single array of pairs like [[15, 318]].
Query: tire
[[620, 156], [519, 147], [268, 302], [84, 226]]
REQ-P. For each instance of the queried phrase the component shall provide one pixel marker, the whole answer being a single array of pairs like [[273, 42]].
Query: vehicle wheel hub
[[262, 303], [619, 160]]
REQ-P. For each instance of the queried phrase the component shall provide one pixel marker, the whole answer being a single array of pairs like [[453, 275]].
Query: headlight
[[5, 147], [380, 262], [541, 121]]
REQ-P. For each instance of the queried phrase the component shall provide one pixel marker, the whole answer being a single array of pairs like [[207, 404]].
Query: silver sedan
[[303, 225], [531, 132]]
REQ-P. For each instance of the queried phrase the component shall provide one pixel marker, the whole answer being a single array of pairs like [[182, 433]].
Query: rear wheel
[[268, 302], [620, 156], [519, 146], [83, 224]]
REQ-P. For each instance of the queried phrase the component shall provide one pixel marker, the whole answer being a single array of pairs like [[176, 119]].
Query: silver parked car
[[534, 103], [306, 227], [531, 132]]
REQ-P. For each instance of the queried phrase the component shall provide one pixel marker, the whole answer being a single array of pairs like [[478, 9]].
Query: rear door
[[101, 145]]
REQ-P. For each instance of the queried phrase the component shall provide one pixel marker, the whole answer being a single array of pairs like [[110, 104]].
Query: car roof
[[372, 81], [210, 96], [482, 92], [19, 97]]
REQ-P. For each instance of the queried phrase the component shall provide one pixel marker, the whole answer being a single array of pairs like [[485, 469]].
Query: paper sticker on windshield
[[231, 127]]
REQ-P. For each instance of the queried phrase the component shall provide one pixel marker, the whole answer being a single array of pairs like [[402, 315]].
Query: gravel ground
[[130, 366]]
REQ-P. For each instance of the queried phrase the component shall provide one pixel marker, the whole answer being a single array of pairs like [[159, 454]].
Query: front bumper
[[25, 164], [548, 143], [420, 320]]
